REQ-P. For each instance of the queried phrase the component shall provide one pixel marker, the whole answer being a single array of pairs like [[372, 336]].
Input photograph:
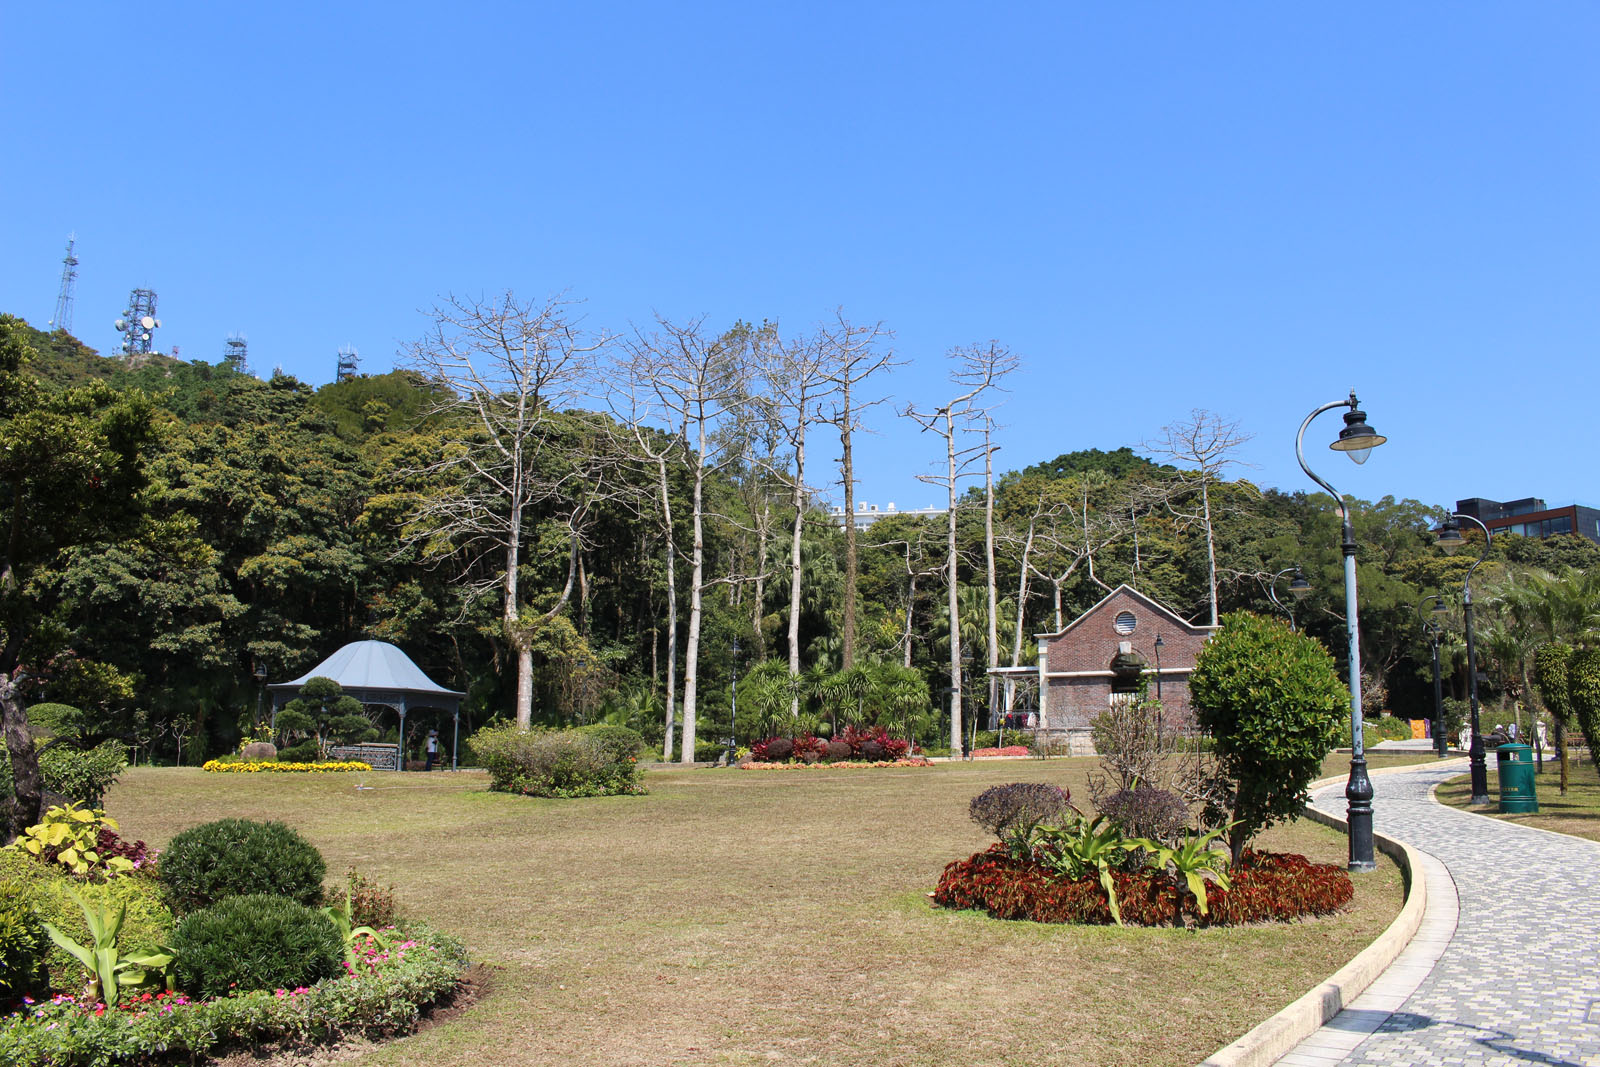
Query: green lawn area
[[1577, 813], [758, 917]]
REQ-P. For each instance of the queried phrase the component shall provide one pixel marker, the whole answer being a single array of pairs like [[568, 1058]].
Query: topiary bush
[[1012, 811], [23, 943], [235, 857], [621, 742], [1145, 811], [259, 941], [836, 751], [1272, 701]]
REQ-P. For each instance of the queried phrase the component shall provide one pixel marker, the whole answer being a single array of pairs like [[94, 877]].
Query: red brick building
[[1076, 675]]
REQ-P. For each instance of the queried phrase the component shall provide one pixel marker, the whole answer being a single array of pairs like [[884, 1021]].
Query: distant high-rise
[[236, 352], [349, 359], [138, 324], [62, 319]]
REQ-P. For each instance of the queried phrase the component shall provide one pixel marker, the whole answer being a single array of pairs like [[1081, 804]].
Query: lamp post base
[[1358, 791], [1480, 772]]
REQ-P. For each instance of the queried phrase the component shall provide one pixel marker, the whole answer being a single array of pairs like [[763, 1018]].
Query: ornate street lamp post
[[1431, 628], [1356, 440], [261, 687], [1299, 588], [1450, 539]]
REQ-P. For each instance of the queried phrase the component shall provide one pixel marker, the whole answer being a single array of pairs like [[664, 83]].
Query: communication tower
[[235, 353], [348, 360], [62, 319], [138, 324]]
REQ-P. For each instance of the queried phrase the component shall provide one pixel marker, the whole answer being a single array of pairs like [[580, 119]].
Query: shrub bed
[[239, 765], [909, 761], [1265, 887], [255, 942], [871, 745], [556, 763], [382, 996], [1008, 750]]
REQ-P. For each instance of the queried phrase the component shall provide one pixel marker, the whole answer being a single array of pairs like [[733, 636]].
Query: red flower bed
[[1267, 887], [1009, 750], [871, 745]]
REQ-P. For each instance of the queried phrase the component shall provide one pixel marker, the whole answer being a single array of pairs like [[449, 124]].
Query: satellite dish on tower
[[121, 325], [147, 322]]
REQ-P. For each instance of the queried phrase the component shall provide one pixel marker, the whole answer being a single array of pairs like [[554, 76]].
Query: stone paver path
[[1516, 982]]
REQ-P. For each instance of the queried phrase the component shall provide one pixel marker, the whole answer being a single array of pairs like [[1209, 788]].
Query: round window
[[1125, 623]]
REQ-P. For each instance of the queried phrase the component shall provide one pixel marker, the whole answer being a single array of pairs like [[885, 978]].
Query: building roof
[[372, 665], [1148, 601]]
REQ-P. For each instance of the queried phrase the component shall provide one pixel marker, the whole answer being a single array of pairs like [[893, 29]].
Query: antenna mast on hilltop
[[138, 324], [235, 351], [62, 319], [348, 359]]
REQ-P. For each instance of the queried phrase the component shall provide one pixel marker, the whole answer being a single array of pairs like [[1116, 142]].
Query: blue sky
[[1249, 208]]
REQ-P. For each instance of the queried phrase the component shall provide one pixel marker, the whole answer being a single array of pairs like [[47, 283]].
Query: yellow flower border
[[330, 767]]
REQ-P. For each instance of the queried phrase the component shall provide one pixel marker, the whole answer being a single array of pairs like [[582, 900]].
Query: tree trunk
[[851, 564], [798, 500], [697, 561], [952, 600], [27, 785], [672, 605], [514, 634], [758, 610], [1211, 548], [993, 657]]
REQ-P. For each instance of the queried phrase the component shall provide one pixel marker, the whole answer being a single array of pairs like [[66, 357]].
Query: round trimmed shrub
[[873, 751], [22, 943], [259, 941], [838, 751], [236, 857], [1145, 811], [779, 749]]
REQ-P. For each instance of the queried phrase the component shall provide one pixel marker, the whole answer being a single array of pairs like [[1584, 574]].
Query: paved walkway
[[1512, 978]]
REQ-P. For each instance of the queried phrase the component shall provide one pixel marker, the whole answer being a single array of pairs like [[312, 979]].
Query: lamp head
[[1448, 536], [1438, 606], [1357, 439], [261, 672], [1299, 588], [1160, 644]]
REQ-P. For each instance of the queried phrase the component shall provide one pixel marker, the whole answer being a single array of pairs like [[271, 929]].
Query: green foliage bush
[[1272, 702], [57, 720], [379, 1002], [553, 763], [83, 776], [235, 857], [23, 942], [148, 924], [259, 941], [619, 741]]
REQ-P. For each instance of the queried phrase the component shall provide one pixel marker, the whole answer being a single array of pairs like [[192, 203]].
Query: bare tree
[[639, 403], [694, 378], [510, 367], [853, 355], [1206, 443], [992, 604], [796, 377], [975, 370], [1071, 530]]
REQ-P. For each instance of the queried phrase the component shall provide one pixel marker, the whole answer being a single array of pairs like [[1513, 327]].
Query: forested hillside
[[258, 525]]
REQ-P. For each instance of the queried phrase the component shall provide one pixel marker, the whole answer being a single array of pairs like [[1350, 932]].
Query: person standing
[[432, 749]]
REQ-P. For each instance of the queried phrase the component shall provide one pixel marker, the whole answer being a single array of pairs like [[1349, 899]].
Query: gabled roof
[[1149, 602], [370, 665]]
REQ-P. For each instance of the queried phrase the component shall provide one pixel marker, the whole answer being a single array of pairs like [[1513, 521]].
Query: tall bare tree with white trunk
[[694, 378], [975, 371], [853, 353], [796, 376], [1203, 446], [511, 366]]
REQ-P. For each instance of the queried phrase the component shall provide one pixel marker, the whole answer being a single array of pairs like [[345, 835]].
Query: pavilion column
[[455, 740], [400, 764]]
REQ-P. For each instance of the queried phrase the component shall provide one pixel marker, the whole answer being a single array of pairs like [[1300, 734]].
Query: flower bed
[[383, 994], [865, 746], [909, 761], [218, 766], [1009, 750], [1265, 887]]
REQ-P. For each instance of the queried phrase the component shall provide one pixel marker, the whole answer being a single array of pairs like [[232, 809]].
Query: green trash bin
[[1516, 779]]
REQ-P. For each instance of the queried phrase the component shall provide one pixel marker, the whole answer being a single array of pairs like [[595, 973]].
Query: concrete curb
[[1282, 1032]]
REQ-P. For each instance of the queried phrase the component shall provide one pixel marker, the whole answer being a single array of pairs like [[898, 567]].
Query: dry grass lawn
[[768, 917], [1577, 813]]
